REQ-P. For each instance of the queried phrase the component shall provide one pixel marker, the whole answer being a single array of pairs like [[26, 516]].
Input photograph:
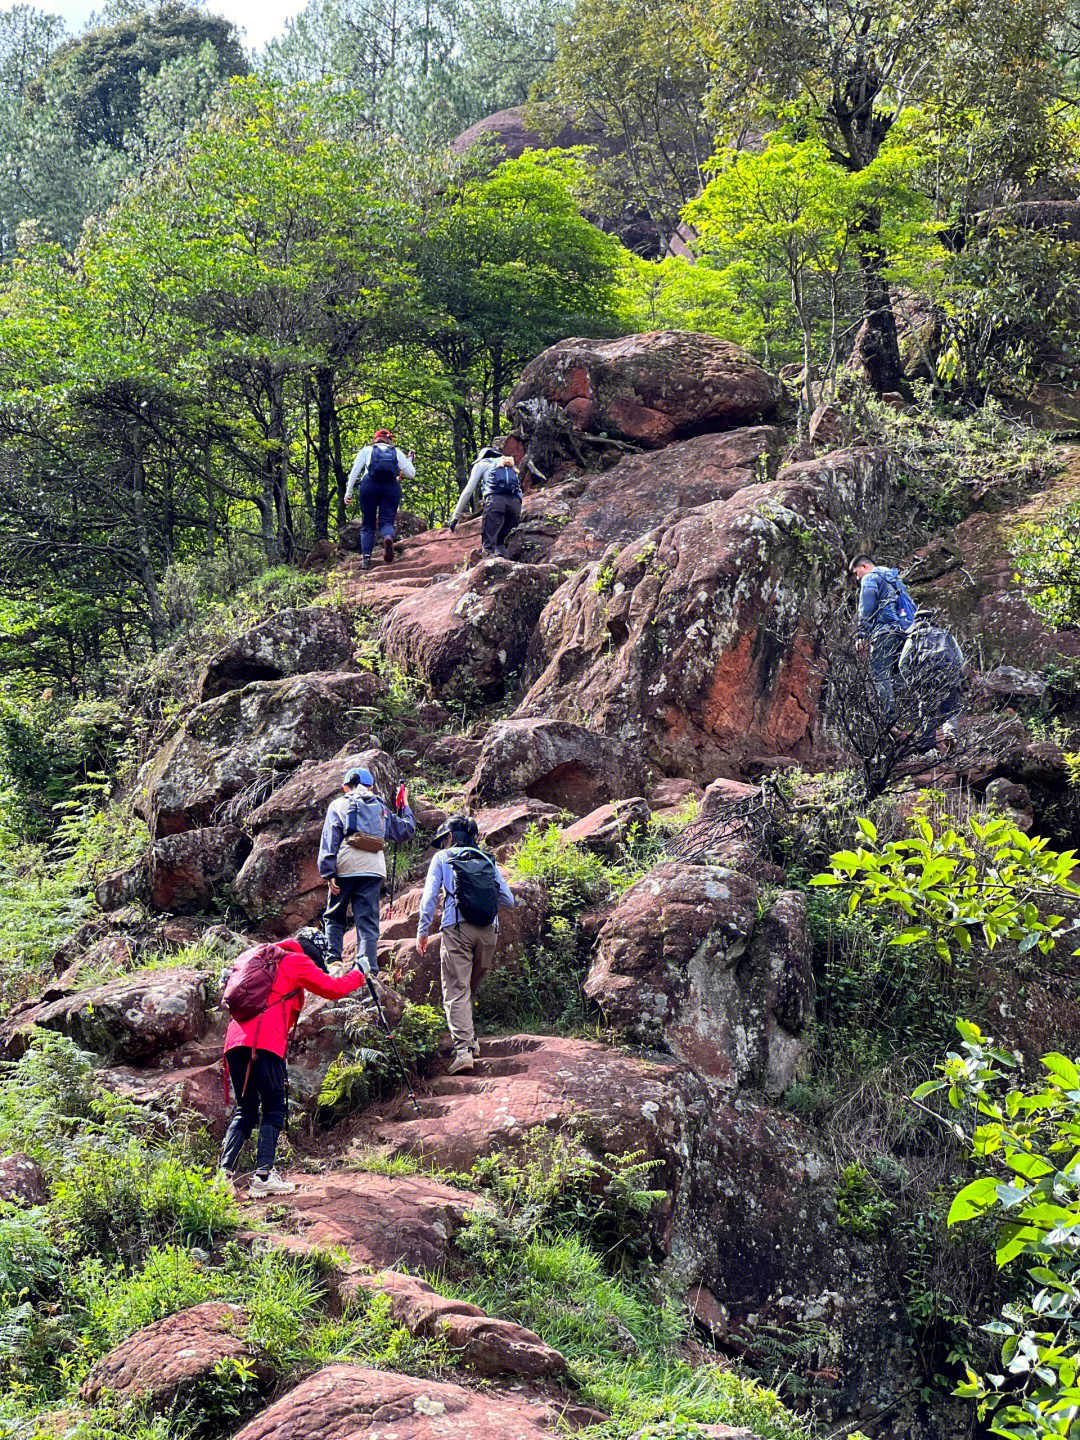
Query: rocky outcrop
[[589, 513], [614, 1101], [158, 1364], [606, 828], [346, 1402], [135, 1018], [466, 635], [490, 1347], [378, 1223], [244, 739], [508, 132], [695, 641], [556, 761], [279, 883], [292, 642], [186, 870], [685, 963], [22, 1180], [651, 389], [504, 826]]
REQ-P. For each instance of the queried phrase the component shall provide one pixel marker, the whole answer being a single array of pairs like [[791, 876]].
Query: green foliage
[[370, 1069], [1024, 1140], [1047, 555], [983, 879], [557, 1184], [122, 1200], [860, 1205]]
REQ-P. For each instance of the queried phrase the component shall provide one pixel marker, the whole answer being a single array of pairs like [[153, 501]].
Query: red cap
[[384, 434]]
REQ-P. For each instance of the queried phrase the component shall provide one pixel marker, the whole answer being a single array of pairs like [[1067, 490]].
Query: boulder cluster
[[654, 631]]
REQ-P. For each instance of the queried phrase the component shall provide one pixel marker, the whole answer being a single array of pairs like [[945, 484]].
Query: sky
[[257, 20]]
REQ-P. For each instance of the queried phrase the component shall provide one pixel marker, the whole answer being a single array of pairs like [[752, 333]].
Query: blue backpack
[[383, 465], [365, 823], [501, 480], [905, 605]]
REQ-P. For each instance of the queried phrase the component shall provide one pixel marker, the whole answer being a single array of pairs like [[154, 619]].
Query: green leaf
[[974, 1200]]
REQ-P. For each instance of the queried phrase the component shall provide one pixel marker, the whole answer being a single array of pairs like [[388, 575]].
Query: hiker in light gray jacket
[[500, 485], [352, 860]]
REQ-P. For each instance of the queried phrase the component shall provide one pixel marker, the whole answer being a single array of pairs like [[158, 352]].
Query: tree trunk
[[324, 401], [339, 469], [158, 623], [211, 507], [498, 379], [877, 346]]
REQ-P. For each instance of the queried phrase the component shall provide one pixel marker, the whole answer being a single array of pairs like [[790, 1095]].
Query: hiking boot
[[461, 1063], [501, 552], [231, 1178], [272, 1185], [474, 1049], [365, 563], [388, 550]]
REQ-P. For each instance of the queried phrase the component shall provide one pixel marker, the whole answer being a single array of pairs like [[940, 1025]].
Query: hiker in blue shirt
[[352, 860], [475, 892], [886, 614]]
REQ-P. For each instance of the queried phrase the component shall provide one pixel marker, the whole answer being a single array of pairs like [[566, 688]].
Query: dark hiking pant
[[379, 501], [360, 893], [262, 1102], [501, 515], [938, 691], [886, 642]]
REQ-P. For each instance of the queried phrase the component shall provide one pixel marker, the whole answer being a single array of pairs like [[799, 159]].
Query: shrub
[[123, 1199], [369, 1069]]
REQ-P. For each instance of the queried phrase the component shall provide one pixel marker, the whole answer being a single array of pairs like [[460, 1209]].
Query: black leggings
[[263, 1102], [501, 515]]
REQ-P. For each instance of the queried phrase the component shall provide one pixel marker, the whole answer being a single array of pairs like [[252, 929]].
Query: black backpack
[[476, 885], [501, 480], [383, 464]]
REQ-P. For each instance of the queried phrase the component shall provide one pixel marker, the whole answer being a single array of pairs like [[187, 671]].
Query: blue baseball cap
[[359, 777]]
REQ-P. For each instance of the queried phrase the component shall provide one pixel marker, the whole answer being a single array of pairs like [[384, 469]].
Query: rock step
[[347, 1402], [521, 1082]]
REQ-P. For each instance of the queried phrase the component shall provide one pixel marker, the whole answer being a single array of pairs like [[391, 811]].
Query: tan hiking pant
[[466, 953]]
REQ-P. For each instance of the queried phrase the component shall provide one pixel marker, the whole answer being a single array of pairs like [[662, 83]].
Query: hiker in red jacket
[[255, 1055]]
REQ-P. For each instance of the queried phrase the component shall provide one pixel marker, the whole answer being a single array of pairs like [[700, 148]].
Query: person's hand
[[421, 943], [453, 526], [335, 888]]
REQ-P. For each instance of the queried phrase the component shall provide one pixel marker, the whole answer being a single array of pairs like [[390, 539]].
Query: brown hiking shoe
[[388, 550], [462, 1062]]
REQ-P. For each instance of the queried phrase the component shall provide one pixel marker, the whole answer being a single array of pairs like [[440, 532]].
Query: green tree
[[636, 77], [789, 210], [847, 72]]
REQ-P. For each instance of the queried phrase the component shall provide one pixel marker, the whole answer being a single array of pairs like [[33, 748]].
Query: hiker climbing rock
[[500, 486], [379, 467], [475, 891], [265, 994], [352, 860], [886, 614], [932, 666]]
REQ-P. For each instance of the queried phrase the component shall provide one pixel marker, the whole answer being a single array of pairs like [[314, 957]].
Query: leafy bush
[[1047, 555], [370, 1068], [987, 879], [556, 1184], [1023, 1137], [126, 1198], [45, 1096], [860, 1205]]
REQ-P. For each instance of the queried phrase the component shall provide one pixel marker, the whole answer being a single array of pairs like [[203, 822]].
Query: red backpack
[[247, 990]]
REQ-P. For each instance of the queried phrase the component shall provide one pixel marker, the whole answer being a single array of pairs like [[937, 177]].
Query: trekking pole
[[366, 968], [399, 805]]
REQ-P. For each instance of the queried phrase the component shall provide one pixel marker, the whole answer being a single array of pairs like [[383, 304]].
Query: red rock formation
[[161, 1362], [651, 389]]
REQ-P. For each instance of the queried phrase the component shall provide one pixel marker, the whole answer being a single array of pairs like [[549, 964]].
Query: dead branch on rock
[[550, 437], [905, 728]]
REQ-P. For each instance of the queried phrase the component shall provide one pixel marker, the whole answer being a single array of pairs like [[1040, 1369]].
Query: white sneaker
[[272, 1185], [462, 1061]]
